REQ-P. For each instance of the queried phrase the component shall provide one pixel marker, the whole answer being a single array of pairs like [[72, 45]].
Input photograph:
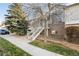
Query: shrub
[[72, 33]]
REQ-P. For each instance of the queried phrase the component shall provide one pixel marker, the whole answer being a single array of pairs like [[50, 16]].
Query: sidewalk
[[24, 45]]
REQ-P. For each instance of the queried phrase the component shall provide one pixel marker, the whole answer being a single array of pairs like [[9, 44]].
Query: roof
[[72, 5]]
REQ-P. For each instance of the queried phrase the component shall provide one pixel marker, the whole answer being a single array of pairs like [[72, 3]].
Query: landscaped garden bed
[[8, 49], [55, 47]]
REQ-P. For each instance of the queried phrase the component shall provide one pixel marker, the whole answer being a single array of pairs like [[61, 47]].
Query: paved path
[[24, 45]]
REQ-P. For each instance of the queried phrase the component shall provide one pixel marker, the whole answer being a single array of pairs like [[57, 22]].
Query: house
[[60, 17], [72, 15], [2, 25], [58, 24], [53, 27]]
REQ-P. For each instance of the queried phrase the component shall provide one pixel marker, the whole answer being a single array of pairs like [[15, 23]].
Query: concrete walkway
[[24, 45]]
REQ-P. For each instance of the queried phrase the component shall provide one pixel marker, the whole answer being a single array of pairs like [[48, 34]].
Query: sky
[[3, 11], [3, 8]]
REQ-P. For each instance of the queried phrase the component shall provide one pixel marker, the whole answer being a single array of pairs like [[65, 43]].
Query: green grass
[[8, 49], [57, 48]]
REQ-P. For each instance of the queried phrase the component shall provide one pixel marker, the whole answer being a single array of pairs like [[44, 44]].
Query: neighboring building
[[0, 23], [2, 26], [72, 14], [57, 22]]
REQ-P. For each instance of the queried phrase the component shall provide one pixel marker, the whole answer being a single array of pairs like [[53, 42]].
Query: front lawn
[[54, 47], [8, 49]]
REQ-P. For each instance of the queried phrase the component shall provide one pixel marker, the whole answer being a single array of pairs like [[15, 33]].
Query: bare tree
[[39, 12]]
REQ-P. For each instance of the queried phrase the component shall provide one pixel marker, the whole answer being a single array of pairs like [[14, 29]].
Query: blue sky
[[3, 8], [3, 11]]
